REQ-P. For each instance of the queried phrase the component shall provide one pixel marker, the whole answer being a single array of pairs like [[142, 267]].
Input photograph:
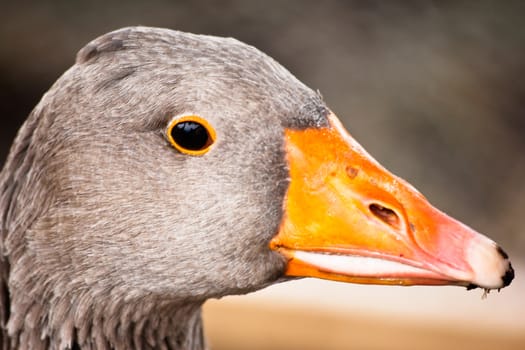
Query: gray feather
[[110, 238]]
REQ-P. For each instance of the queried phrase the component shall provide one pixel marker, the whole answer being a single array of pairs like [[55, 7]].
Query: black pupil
[[190, 135]]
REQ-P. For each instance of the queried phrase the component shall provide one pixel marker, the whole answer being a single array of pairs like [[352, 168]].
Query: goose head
[[166, 168]]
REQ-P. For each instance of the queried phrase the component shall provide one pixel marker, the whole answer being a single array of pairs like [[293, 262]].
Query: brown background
[[435, 90]]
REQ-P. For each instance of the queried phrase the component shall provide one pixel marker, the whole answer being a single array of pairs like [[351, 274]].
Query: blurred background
[[435, 90]]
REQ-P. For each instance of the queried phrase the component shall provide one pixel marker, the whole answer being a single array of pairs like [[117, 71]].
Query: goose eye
[[191, 135]]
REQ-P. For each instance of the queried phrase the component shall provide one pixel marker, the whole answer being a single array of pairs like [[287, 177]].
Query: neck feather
[[82, 322], [46, 308]]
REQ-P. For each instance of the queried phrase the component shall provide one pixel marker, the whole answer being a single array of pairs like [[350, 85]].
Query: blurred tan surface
[[237, 326], [314, 314]]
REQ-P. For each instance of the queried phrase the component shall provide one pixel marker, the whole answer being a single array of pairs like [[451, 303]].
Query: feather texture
[[110, 238]]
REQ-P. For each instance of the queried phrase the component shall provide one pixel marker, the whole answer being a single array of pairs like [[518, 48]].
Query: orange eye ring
[[191, 134]]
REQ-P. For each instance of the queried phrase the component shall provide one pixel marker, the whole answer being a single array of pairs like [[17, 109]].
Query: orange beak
[[349, 219]]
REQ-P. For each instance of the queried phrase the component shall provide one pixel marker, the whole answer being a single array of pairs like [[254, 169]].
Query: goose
[[166, 168]]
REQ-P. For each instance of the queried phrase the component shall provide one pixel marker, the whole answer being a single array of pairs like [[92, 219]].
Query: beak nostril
[[386, 215]]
